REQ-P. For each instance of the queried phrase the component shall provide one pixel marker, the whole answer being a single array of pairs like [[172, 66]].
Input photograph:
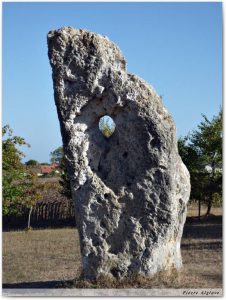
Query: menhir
[[131, 189]]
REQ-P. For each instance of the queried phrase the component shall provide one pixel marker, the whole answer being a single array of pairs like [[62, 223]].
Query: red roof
[[55, 165], [45, 169]]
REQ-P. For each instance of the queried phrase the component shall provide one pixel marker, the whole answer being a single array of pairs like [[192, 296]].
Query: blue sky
[[176, 47]]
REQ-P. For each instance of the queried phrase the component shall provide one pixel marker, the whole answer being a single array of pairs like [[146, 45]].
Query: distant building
[[47, 169], [44, 169], [34, 169]]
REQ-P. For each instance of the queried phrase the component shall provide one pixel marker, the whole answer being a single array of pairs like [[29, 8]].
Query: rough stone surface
[[130, 190]]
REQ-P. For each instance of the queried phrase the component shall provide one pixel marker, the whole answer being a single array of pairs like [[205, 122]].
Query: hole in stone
[[98, 198], [93, 207], [115, 272], [125, 154], [95, 242], [102, 224], [107, 126], [106, 196]]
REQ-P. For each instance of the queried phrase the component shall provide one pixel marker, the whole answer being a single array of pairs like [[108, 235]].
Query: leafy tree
[[64, 180], [18, 185], [32, 194], [56, 155], [197, 178], [12, 171], [201, 152], [207, 142], [32, 162]]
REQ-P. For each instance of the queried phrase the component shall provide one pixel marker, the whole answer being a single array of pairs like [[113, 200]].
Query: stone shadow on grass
[[207, 228], [36, 285]]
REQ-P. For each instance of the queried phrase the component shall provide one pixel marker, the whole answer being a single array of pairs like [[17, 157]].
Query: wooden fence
[[53, 211], [46, 213]]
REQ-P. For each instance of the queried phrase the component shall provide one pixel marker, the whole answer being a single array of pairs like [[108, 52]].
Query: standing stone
[[130, 190]]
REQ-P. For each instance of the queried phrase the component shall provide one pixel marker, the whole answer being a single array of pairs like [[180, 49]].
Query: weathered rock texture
[[130, 191]]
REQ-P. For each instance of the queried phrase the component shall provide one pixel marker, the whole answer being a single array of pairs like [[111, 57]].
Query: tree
[[207, 142], [32, 194], [12, 171], [32, 162], [64, 180], [191, 160], [18, 185], [56, 155], [201, 152]]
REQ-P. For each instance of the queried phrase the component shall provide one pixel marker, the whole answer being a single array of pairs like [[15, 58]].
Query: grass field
[[51, 258]]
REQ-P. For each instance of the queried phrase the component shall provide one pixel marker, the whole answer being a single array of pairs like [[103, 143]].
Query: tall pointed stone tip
[[84, 37], [65, 29], [68, 30]]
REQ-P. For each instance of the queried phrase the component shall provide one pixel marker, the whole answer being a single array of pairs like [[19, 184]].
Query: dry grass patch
[[164, 279], [40, 255], [51, 258], [193, 210]]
